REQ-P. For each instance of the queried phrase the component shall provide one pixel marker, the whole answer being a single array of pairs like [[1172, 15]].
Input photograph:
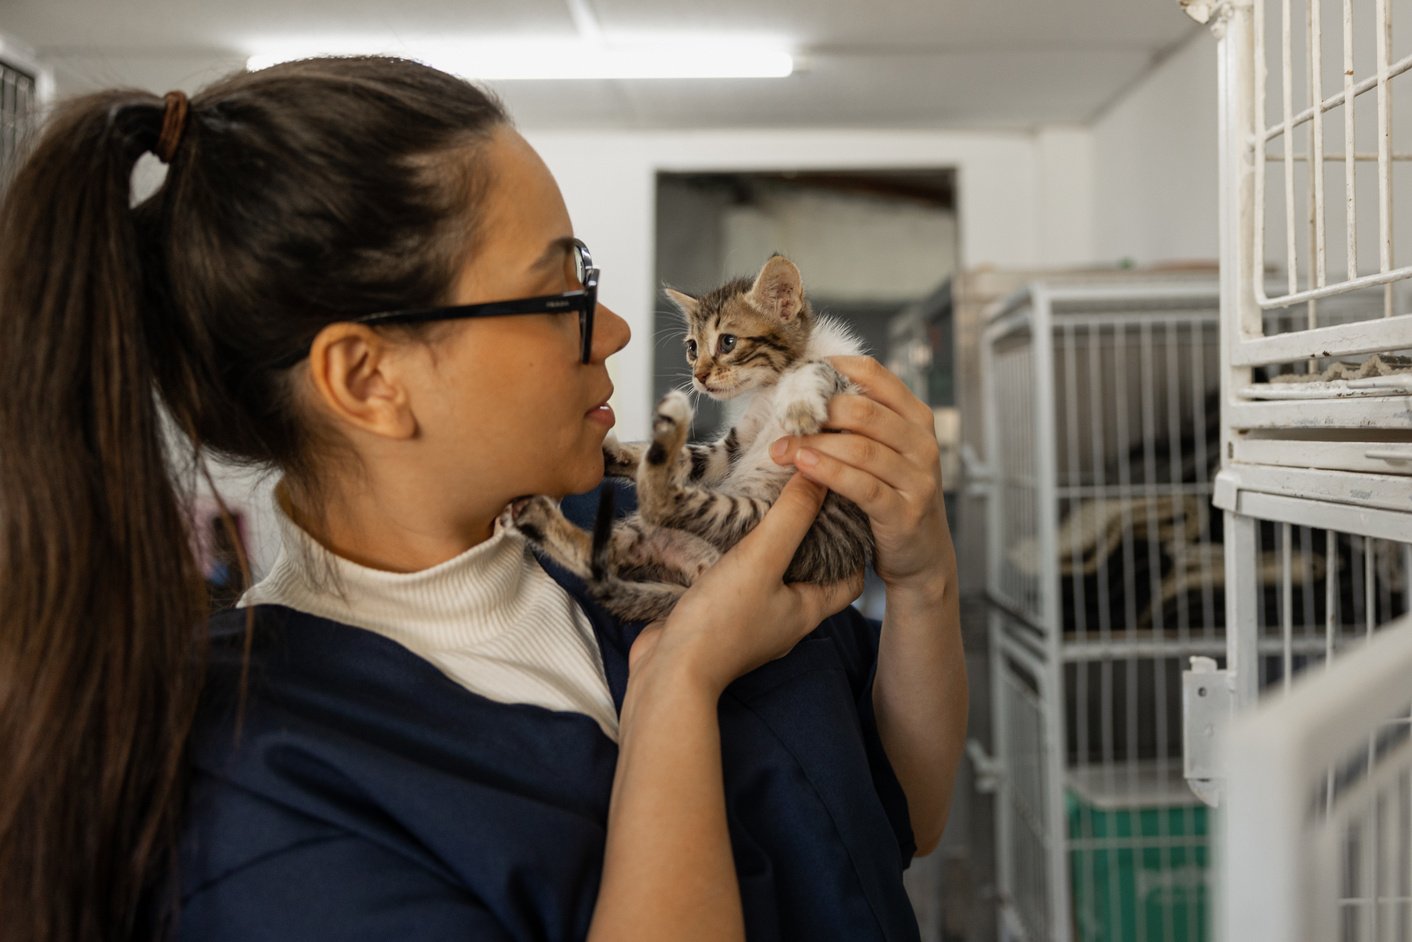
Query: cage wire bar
[[1104, 574], [1315, 774]]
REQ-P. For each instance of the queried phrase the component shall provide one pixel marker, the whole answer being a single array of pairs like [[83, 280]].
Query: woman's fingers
[[881, 384], [916, 441], [860, 414], [877, 498], [857, 451]]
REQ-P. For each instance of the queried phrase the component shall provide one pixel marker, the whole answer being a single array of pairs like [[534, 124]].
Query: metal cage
[[1105, 575], [1302, 737]]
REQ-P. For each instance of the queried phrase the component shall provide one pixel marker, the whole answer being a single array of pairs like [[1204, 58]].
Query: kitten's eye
[[726, 343], [691, 349]]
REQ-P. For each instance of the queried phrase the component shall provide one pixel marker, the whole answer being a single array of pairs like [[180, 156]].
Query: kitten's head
[[744, 334]]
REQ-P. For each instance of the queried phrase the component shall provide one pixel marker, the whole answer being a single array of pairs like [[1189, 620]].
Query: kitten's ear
[[778, 289], [684, 302]]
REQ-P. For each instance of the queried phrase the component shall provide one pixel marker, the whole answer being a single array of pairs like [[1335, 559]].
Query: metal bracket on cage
[[976, 474], [1208, 702], [988, 768], [1212, 13]]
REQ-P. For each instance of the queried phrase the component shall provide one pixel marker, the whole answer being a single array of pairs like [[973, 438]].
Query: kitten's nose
[[701, 376]]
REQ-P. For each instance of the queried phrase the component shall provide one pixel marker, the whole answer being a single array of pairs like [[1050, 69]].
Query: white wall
[[1065, 183], [609, 183], [1155, 163]]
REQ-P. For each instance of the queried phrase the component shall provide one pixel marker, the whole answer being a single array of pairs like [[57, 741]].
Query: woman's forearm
[[920, 698], [668, 872]]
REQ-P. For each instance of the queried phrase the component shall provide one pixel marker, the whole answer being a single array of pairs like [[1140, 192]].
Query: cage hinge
[[988, 769], [976, 475], [1213, 13], [1208, 701]]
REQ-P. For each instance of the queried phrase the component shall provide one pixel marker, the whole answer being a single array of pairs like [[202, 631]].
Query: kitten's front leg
[[802, 402], [662, 498]]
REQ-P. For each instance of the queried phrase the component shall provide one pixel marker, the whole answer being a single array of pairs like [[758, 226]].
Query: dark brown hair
[[299, 195]]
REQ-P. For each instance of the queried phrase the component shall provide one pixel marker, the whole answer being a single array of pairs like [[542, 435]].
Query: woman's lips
[[602, 413]]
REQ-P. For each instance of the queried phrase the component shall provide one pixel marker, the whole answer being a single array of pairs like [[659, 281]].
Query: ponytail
[[297, 196], [101, 598]]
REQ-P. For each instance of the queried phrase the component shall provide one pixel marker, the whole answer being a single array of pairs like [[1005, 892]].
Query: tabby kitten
[[759, 344]]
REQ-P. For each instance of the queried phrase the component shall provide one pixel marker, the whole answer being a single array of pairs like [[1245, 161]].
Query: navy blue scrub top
[[368, 796]]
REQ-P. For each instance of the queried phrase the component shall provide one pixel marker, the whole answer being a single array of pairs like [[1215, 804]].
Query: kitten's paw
[[669, 427], [619, 460], [673, 413], [804, 416], [529, 516], [803, 400]]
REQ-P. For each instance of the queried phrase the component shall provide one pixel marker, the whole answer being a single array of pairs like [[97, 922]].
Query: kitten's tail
[[602, 531]]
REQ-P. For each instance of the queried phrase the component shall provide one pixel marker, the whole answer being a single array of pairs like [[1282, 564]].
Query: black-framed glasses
[[584, 300]]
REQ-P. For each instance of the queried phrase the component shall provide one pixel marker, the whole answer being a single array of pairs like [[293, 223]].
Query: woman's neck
[[387, 528]]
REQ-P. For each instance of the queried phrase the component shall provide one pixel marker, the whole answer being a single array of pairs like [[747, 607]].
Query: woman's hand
[[740, 613], [668, 792], [890, 467]]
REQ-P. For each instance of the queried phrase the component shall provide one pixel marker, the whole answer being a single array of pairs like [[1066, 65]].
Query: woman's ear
[[356, 380]]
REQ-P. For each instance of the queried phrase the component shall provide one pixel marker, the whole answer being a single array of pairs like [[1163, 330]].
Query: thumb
[[773, 541]]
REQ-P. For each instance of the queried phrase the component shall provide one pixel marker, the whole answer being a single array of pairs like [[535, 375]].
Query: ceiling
[[977, 64]]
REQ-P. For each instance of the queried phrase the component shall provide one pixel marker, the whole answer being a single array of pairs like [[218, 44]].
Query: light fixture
[[663, 57]]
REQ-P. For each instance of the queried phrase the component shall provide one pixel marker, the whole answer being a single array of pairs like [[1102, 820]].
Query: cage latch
[[1208, 696]]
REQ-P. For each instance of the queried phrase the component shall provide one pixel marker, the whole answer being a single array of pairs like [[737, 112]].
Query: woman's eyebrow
[[555, 252]]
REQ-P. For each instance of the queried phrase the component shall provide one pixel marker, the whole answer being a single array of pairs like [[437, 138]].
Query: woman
[[412, 730]]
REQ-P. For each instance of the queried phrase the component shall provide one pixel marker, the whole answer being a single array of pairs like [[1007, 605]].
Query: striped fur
[[759, 345]]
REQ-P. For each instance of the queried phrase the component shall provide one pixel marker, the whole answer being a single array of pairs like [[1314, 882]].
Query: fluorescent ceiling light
[[658, 58]]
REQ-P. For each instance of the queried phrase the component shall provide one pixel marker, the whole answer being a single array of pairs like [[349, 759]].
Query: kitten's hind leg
[[719, 518], [653, 553], [655, 566], [637, 601], [620, 460], [539, 520]]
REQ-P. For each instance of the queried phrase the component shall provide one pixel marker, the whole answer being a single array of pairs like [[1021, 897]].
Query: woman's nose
[[610, 334]]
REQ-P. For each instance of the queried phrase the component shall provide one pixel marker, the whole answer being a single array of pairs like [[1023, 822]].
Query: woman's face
[[508, 408]]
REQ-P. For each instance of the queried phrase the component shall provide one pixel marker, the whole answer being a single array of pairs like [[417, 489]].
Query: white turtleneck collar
[[490, 618]]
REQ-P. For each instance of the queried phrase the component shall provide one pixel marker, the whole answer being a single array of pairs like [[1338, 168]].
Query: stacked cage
[[1105, 573], [1315, 779]]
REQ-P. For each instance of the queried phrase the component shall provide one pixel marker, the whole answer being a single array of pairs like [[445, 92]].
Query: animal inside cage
[[1318, 115], [1320, 781], [1105, 567], [1316, 484], [1102, 417]]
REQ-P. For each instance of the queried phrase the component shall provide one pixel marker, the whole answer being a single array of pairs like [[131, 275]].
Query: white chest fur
[[758, 415]]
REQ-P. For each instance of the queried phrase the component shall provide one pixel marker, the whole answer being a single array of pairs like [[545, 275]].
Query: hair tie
[[173, 124]]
